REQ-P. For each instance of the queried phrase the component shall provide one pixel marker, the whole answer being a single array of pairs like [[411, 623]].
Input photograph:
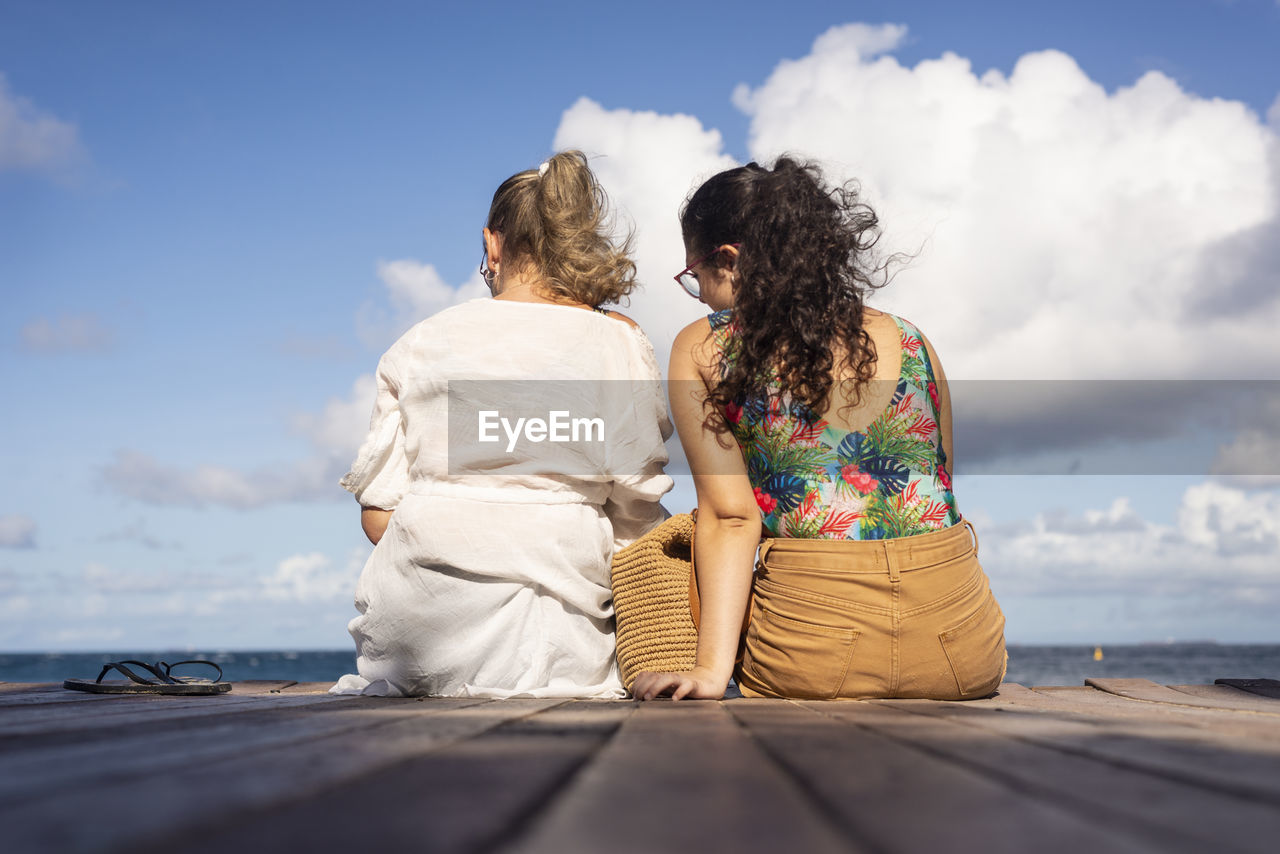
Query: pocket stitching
[[958, 629], [851, 635], [947, 598]]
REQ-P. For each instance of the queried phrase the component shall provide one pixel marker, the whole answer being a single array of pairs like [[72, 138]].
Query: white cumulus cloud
[[141, 477], [1058, 222], [31, 139], [334, 435], [1060, 231], [648, 163], [339, 428], [308, 578], [1221, 552], [1063, 231], [414, 291]]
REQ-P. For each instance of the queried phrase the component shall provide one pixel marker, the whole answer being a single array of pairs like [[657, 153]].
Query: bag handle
[[695, 603]]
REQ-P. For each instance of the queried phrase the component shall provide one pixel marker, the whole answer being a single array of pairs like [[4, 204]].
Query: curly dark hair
[[803, 269]]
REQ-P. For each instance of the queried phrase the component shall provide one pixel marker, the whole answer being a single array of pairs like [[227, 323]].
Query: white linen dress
[[492, 579]]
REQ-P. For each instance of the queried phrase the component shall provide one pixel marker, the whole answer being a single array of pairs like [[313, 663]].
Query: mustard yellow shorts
[[906, 617]]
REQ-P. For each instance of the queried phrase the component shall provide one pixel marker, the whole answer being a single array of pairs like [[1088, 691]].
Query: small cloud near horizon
[[17, 532], [67, 333]]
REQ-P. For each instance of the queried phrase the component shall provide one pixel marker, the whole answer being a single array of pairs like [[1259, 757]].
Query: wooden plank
[[896, 797], [1226, 697], [60, 725], [41, 692], [31, 766], [125, 710], [313, 688], [47, 692], [10, 687], [1196, 757], [1172, 814], [263, 686], [1090, 702], [1232, 731], [1261, 687], [468, 796], [682, 777], [1149, 692], [193, 800]]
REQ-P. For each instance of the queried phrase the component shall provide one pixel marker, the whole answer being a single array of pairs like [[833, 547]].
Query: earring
[[488, 275]]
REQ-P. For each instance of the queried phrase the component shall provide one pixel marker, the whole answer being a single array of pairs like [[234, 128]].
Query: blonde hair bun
[[556, 218]]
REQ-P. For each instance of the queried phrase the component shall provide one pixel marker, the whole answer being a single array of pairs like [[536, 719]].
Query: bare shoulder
[[694, 350], [918, 331], [939, 374], [694, 339]]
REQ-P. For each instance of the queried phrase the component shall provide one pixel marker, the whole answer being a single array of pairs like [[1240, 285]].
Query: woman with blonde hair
[[490, 571], [827, 424]]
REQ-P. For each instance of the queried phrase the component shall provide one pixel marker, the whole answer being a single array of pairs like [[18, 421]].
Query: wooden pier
[[1121, 765]]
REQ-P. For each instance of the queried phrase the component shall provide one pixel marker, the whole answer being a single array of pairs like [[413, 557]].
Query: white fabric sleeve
[[379, 477], [634, 506], [639, 455]]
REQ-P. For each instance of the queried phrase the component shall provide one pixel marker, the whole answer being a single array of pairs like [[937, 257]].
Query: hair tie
[[542, 170]]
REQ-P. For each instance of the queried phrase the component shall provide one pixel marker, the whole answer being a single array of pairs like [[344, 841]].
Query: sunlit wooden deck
[[1118, 765]]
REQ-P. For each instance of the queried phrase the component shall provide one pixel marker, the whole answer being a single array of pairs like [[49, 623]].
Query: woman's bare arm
[[728, 529]]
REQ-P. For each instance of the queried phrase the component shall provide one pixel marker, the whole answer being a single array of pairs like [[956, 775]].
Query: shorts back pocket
[[804, 661], [975, 650]]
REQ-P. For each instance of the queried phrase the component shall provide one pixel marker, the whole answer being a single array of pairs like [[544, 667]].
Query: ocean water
[[1164, 663], [1167, 664], [300, 666]]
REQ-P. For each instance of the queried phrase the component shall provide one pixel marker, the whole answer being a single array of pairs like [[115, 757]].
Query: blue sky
[[213, 220]]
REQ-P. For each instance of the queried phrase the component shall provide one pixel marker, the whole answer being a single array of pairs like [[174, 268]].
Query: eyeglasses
[[688, 279]]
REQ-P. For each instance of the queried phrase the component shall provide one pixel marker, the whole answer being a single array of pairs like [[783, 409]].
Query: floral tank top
[[816, 481]]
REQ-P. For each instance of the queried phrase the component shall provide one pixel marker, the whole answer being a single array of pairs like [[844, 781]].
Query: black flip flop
[[162, 683]]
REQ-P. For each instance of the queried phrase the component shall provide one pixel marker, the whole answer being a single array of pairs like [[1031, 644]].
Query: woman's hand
[[696, 684]]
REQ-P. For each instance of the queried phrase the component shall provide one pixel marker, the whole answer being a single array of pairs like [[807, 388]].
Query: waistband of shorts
[[892, 556]]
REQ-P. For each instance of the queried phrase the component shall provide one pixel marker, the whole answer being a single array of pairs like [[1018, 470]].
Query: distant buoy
[[1097, 653]]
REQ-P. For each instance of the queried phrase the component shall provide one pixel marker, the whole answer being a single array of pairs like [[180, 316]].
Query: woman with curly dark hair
[[828, 424]]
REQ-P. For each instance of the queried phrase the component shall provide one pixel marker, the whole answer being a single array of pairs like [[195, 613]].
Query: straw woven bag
[[655, 596]]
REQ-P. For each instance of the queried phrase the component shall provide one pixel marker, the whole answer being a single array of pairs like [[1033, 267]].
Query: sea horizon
[[1164, 662]]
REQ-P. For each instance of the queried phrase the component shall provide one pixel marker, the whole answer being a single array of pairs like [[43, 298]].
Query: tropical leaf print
[[922, 426], [915, 367], [808, 432], [890, 473], [805, 521], [836, 525], [850, 449], [889, 439], [814, 481], [787, 489], [901, 514], [935, 515]]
